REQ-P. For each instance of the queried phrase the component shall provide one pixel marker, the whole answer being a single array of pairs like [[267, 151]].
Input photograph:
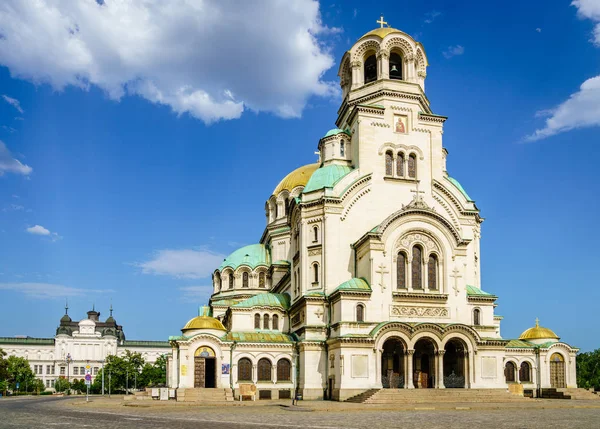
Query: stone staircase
[[204, 395], [577, 394], [429, 396]]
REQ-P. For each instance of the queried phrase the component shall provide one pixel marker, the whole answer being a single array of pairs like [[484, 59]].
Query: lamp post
[[68, 360], [109, 383], [102, 377]]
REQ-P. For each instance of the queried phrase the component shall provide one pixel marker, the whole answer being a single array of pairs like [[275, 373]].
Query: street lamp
[[68, 360]]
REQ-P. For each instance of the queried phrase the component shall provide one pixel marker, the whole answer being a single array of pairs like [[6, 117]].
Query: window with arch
[[230, 280], [370, 69], [257, 321], [264, 369], [261, 279], [284, 370], [316, 273], [525, 372], [401, 271], [286, 204], [395, 66], [315, 234], [244, 369], [432, 272], [218, 281], [412, 166], [389, 164], [509, 372], [266, 321], [400, 164], [360, 313], [417, 268], [275, 322], [476, 317], [244, 279], [342, 148]]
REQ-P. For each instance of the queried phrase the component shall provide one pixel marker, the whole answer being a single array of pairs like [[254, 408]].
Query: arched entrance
[[205, 368], [455, 364], [392, 364], [557, 371], [424, 364]]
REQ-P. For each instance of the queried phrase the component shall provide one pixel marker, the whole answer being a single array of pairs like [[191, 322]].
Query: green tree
[[62, 385], [154, 374], [3, 387], [120, 372], [3, 366], [20, 372], [37, 386], [588, 370]]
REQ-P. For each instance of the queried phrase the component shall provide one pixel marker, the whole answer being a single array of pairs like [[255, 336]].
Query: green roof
[[354, 284], [258, 337], [520, 344], [26, 340], [326, 177], [336, 131], [225, 302], [475, 291], [459, 187], [252, 256], [278, 300], [138, 343]]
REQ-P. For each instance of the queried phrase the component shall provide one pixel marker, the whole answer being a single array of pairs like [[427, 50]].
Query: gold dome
[[204, 321], [538, 333], [382, 32], [298, 177]]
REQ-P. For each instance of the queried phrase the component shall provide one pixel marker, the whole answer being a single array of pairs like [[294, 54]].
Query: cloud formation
[[49, 290], [581, 109], [453, 51], [182, 263], [196, 292], [212, 59], [9, 164], [13, 102], [40, 230], [431, 16]]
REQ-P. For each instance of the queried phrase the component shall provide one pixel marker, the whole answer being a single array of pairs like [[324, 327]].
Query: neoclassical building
[[367, 274], [76, 345]]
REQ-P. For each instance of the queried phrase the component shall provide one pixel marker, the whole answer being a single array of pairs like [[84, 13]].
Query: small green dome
[[458, 186], [252, 256], [335, 131], [326, 177]]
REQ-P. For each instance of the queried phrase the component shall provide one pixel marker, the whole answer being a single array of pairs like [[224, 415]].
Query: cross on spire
[[381, 21], [66, 306]]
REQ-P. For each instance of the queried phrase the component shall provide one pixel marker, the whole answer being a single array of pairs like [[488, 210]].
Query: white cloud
[[182, 263], [431, 16], [14, 102], [453, 51], [212, 59], [11, 130], [49, 290], [8, 164], [539, 30], [581, 109], [13, 208], [40, 230]]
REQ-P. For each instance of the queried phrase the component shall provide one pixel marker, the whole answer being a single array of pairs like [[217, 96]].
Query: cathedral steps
[[573, 393], [361, 398], [391, 396], [204, 395]]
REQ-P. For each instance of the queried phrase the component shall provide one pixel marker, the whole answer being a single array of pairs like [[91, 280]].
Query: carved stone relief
[[406, 311]]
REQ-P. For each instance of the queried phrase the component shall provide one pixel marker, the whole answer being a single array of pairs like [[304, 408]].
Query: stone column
[[254, 374], [383, 63], [378, 367], [466, 366], [274, 373], [440, 364], [357, 75], [409, 369]]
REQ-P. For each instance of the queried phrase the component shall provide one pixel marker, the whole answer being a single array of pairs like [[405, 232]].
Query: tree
[[79, 385], [3, 366], [62, 385], [154, 374], [20, 372], [121, 372], [588, 370], [36, 386]]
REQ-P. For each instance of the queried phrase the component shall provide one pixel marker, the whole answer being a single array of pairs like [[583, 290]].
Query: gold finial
[[381, 21], [537, 322]]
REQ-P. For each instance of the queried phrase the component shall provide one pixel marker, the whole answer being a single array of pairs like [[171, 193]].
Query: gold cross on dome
[[537, 322], [381, 21]]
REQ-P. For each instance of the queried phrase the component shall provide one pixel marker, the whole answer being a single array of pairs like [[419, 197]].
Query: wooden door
[[557, 371], [199, 372]]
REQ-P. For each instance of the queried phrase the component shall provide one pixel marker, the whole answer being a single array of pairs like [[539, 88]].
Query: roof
[[326, 177], [475, 291], [335, 131], [298, 177], [538, 333], [459, 187], [519, 344], [252, 256], [203, 321], [26, 340], [382, 32], [258, 337], [354, 284], [143, 343], [267, 299]]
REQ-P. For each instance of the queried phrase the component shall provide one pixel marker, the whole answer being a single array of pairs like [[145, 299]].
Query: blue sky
[[132, 160]]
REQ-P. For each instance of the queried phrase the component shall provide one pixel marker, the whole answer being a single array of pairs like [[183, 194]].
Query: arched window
[[400, 164], [417, 267], [218, 281], [244, 279], [275, 322], [316, 273], [360, 313], [432, 272], [284, 370], [266, 321], [276, 210], [257, 321], [286, 203], [412, 166], [264, 370], [389, 164], [401, 271], [509, 372], [230, 280], [342, 149], [476, 317], [244, 369], [395, 66], [371, 69], [315, 234], [525, 372], [261, 279]]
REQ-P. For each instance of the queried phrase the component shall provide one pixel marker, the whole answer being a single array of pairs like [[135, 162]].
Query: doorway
[[557, 371], [392, 364], [205, 368], [424, 364]]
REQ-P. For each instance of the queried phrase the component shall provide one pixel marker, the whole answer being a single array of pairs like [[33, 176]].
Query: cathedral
[[367, 275]]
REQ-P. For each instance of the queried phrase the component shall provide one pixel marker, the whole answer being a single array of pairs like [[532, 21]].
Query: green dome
[[326, 177], [335, 131], [252, 256], [459, 187]]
